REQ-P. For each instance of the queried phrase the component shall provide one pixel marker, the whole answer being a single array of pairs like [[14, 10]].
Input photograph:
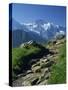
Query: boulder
[[43, 82], [36, 64], [34, 81], [43, 60], [44, 72], [47, 76], [36, 69], [29, 71], [26, 83], [47, 64]]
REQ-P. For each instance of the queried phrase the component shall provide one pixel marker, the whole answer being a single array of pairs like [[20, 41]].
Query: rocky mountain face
[[21, 36], [39, 31], [46, 30]]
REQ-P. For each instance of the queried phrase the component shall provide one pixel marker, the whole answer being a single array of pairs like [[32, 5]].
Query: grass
[[18, 53], [21, 58], [58, 74]]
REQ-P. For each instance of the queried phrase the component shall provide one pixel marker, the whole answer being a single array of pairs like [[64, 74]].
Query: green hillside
[[36, 64], [58, 72], [22, 56]]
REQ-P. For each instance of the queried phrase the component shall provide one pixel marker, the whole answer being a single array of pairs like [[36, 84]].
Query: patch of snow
[[62, 32]]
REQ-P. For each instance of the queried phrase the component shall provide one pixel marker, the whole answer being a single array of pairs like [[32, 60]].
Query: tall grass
[[58, 74], [21, 58]]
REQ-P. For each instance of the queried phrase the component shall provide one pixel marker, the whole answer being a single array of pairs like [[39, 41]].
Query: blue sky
[[28, 13]]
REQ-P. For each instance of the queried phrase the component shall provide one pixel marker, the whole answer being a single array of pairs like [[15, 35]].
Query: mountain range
[[39, 31]]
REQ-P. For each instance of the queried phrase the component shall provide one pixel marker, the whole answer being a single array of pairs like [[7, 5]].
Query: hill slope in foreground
[[39, 65]]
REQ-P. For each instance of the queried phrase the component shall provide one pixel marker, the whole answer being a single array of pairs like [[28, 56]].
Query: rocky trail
[[40, 69]]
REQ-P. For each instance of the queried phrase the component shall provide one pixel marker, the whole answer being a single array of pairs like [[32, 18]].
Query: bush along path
[[42, 70]]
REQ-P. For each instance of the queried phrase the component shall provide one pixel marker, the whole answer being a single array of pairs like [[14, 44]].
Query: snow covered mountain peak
[[46, 30], [46, 26]]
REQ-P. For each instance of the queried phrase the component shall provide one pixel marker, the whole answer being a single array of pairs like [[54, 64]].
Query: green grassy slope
[[58, 74], [22, 56]]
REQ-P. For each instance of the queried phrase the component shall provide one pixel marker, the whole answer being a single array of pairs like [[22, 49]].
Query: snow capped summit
[[46, 30], [46, 26], [40, 28]]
